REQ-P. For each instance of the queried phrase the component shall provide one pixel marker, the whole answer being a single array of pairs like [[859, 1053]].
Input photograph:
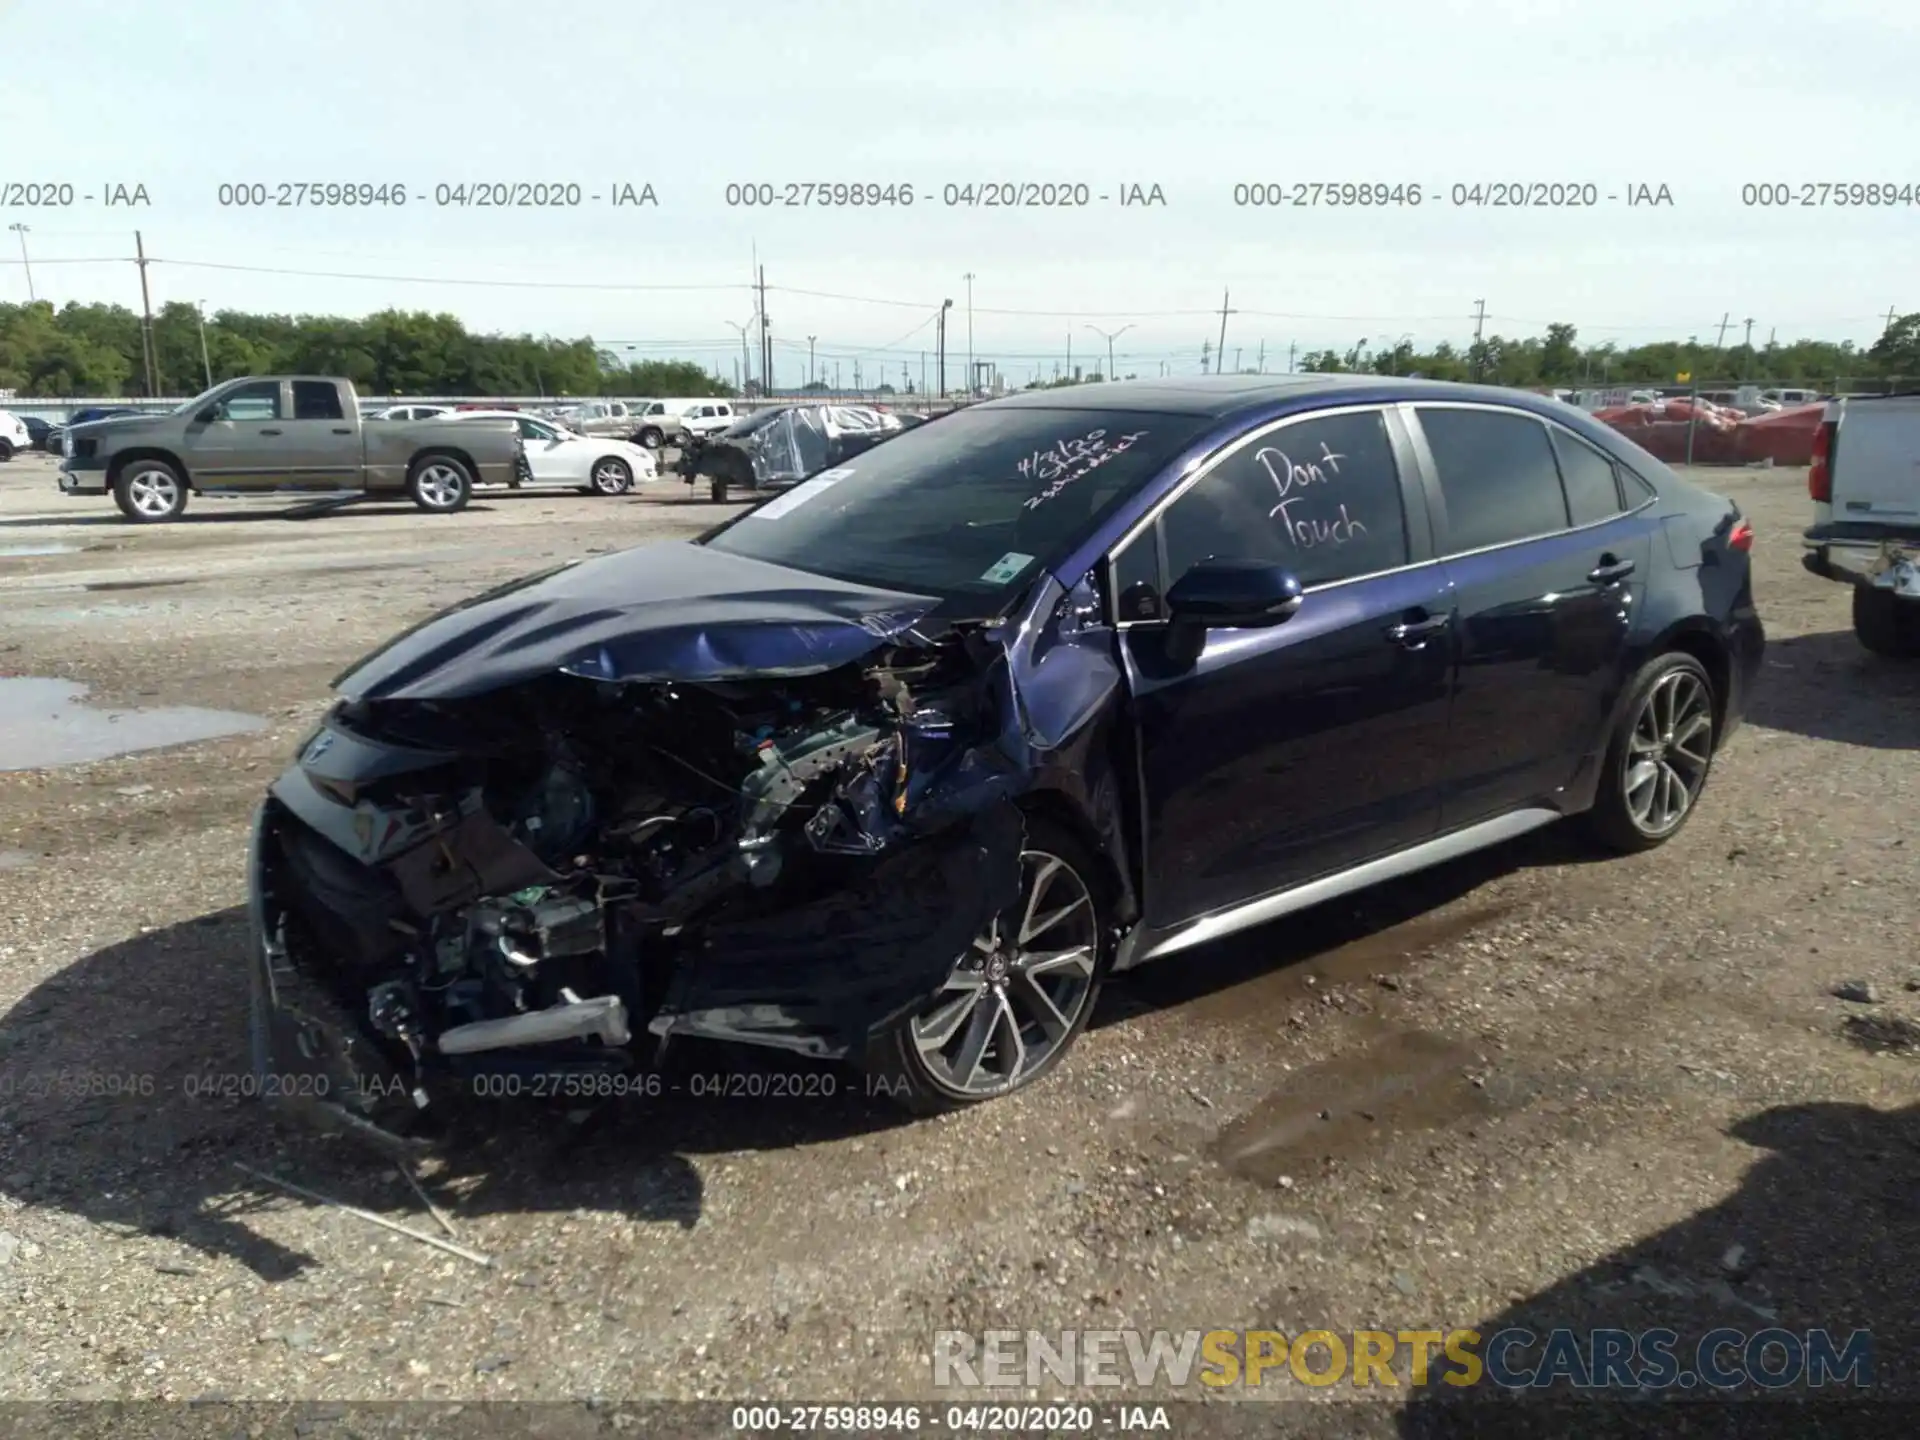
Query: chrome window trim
[[1207, 464], [1409, 409]]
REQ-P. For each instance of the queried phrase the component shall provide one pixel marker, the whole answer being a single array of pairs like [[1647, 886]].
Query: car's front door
[[1547, 549], [240, 446], [549, 454], [1283, 754]]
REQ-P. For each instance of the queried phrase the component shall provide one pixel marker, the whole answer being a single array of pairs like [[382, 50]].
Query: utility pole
[[744, 376], [1236, 359], [200, 310], [146, 312], [923, 372], [21, 231], [1721, 343], [1260, 360], [1289, 357], [1224, 312], [1069, 354], [941, 363], [1206, 350], [766, 340], [1479, 324], [810, 361], [968, 277], [1746, 360]]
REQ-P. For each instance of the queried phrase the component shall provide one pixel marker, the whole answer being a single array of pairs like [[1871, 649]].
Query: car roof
[[1223, 396]]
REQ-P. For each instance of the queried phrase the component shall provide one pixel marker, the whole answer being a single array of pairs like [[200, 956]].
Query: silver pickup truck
[[1865, 487], [266, 433]]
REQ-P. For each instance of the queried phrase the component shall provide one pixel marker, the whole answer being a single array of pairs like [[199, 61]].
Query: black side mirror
[[208, 415], [1238, 594]]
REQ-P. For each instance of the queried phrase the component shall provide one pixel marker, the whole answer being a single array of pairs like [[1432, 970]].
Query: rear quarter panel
[[492, 447]]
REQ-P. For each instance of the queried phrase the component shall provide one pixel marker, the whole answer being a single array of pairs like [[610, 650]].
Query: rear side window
[[1593, 490], [1320, 497], [316, 400], [1497, 476]]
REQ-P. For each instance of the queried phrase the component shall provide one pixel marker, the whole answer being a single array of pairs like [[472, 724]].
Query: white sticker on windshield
[[1006, 567], [799, 495]]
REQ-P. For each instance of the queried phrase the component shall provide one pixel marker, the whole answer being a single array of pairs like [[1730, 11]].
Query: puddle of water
[[45, 723], [45, 547], [1404, 1082]]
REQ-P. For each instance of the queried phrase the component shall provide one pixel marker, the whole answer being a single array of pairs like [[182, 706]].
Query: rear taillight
[[1820, 472], [1741, 537]]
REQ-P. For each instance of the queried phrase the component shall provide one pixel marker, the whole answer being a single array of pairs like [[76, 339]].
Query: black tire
[[1886, 624], [717, 489], [897, 1061], [1631, 810], [150, 492], [651, 437], [440, 484], [610, 476], [6, 451]]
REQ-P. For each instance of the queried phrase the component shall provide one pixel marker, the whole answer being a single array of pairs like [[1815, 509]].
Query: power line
[[433, 279]]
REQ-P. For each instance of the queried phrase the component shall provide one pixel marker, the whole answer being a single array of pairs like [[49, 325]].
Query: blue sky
[[1700, 96]]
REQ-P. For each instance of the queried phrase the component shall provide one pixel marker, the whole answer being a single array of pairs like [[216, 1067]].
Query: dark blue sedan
[[897, 766]]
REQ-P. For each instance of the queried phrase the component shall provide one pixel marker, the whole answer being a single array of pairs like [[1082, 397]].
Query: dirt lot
[[1531, 1087]]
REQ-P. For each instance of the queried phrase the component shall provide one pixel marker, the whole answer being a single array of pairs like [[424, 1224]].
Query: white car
[[707, 417], [13, 435], [556, 455], [410, 412]]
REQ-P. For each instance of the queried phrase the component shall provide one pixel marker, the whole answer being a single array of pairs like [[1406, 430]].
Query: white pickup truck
[[1865, 486]]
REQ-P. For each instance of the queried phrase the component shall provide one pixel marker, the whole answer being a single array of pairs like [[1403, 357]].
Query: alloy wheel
[[1016, 998], [1668, 753], [610, 477], [441, 486], [154, 493]]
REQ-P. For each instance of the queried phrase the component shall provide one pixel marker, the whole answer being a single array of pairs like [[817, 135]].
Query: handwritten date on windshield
[[1066, 461], [1297, 485]]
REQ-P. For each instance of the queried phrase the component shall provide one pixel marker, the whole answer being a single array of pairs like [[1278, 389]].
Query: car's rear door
[[1546, 547], [1283, 754], [320, 441]]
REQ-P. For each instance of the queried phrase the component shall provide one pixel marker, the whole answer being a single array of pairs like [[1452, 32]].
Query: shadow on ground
[[1823, 1234], [1826, 687], [125, 1099]]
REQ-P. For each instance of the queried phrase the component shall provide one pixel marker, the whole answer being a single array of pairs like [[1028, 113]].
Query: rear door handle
[[343, 429], [1609, 571], [1414, 634], [269, 432]]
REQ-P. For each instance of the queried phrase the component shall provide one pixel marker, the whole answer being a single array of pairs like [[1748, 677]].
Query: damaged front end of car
[[543, 835]]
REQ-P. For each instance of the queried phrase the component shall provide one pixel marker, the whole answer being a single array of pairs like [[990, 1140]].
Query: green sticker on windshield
[[1006, 567]]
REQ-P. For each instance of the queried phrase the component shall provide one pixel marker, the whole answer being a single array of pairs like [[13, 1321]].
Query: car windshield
[[197, 401], [747, 424], [968, 509]]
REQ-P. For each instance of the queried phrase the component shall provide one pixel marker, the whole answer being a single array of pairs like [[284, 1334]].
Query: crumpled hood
[[671, 611]]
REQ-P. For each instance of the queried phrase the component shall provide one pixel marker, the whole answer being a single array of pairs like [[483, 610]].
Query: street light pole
[[21, 231], [810, 340], [1110, 339], [200, 311], [945, 306], [746, 368], [968, 277]]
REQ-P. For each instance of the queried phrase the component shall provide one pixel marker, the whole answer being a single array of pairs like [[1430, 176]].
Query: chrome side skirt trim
[[1141, 945]]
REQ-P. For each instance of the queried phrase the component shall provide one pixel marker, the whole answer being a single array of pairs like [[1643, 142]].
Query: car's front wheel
[[1019, 997], [150, 491], [6, 451], [1885, 623], [651, 438], [611, 476], [1659, 755]]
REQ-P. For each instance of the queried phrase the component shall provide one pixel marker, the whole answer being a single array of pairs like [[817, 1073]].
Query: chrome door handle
[[1415, 633], [1609, 571]]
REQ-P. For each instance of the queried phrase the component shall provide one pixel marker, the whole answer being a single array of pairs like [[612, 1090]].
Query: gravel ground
[[1532, 1087]]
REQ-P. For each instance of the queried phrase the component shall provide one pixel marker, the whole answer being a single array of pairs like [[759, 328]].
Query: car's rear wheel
[[1019, 997], [611, 476], [6, 451], [1885, 623], [1659, 757], [150, 491], [440, 484], [651, 438]]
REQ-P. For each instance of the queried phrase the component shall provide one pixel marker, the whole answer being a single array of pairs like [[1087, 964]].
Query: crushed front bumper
[[82, 482]]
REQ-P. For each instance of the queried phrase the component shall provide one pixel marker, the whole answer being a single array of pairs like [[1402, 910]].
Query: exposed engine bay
[[559, 876]]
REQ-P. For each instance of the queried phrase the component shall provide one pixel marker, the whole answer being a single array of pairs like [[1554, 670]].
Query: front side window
[[1497, 477], [969, 510], [1319, 497], [258, 401]]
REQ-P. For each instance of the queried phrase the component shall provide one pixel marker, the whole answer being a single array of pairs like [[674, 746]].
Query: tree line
[[84, 350]]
